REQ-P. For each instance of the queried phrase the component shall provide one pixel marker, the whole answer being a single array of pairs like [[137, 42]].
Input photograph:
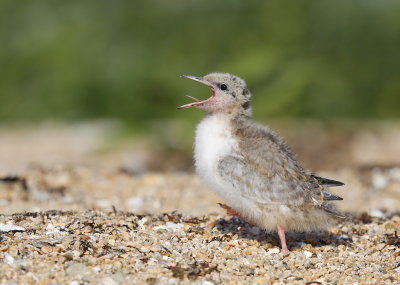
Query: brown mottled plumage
[[250, 166]]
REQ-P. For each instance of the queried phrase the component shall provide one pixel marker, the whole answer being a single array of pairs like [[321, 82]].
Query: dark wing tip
[[334, 212], [331, 197], [327, 182]]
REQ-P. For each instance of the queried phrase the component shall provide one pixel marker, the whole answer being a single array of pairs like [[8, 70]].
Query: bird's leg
[[281, 234], [230, 211]]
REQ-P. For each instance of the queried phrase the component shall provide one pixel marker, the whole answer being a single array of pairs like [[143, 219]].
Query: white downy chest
[[213, 141]]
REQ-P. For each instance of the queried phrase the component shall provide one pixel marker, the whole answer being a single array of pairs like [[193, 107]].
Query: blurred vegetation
[[77, 60]]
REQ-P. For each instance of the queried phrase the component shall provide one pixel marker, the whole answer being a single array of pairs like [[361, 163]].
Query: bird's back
[[265, 172], [273, 174]]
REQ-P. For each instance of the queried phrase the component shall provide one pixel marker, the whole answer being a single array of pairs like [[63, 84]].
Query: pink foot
[[281, 234]]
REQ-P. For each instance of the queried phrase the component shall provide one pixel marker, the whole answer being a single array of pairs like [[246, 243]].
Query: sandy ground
[[71, 214]]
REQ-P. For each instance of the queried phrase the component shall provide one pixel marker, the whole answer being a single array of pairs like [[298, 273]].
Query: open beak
[[197, 102]]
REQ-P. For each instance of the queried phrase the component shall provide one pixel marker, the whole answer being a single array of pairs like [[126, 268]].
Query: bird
[[251, 168]]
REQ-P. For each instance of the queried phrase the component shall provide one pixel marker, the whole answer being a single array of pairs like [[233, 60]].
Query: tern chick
[[251, 168]]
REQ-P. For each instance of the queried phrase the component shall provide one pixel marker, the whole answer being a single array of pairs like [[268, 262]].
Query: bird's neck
[[234, 115], [231, 119]]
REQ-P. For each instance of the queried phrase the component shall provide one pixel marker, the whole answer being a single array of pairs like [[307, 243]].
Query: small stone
[[8, 259], [266, 246], [76, 270], [103, 203], [396, 219], [391, 226], [91, 260], [68, 256], [47, 249], [107, 281], [9, 227], [307, 254], [377, 214], [135, 202], [173, 226], [76, 254], [3, 248], [250, 250], [274, 250], [380, 246], [119, 277], [155, 248], [57, 249]]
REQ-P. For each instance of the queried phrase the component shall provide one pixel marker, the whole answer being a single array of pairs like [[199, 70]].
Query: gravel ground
[[71, 215], [95, 247], [368, 189], [113, 230]]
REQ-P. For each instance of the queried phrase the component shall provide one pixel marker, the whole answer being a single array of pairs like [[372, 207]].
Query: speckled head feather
[[230, 94]]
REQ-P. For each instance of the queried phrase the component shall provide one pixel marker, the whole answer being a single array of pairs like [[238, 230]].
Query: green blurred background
[[83, 60], [94, 85]]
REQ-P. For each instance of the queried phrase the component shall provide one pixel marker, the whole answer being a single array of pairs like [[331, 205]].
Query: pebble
[[107, 281], [307, 254], [77, 270], [9, 226], [376, 214], [273, 251], [8, 259], [135, 202], [380, 246], [47, 249], [3, 248], [119, 277]]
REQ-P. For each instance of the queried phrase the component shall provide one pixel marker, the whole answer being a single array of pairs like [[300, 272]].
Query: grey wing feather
[[260, 185], [266, 172]]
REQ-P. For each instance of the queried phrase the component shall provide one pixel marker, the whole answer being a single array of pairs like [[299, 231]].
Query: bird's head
[[229, 94]]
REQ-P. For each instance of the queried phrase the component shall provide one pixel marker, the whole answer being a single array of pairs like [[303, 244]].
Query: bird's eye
[[223, 87]]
